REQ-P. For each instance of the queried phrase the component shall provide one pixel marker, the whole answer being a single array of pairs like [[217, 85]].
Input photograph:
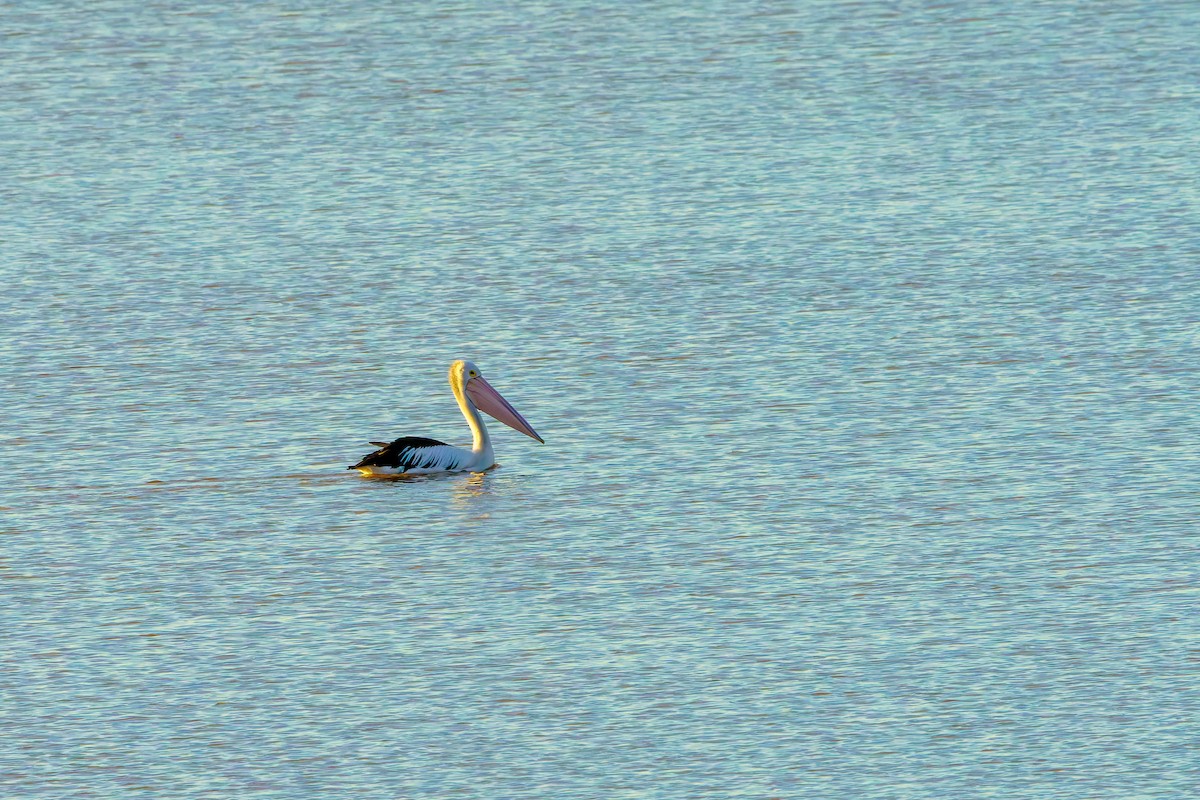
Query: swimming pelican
[[416, 455]]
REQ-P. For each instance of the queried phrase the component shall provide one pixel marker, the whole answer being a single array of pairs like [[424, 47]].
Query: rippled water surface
[[863, 337]]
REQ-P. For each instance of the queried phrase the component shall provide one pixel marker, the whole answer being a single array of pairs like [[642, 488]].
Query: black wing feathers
[[399, 453]]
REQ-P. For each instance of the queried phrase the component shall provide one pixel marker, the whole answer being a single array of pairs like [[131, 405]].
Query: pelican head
[[470, 386]]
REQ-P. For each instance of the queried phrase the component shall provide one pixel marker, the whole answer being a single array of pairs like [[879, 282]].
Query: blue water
[[863, 337]]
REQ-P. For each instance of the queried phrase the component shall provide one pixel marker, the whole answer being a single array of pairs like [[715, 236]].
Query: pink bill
[[489, 401]]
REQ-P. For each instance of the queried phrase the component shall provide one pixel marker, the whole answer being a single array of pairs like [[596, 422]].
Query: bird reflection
[[471, 487]]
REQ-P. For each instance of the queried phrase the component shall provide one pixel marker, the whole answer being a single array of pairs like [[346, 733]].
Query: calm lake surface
[[863, 338]]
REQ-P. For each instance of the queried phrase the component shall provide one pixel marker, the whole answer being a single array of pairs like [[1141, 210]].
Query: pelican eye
[[474, 374]]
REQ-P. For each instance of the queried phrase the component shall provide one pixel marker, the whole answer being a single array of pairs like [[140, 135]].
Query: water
[[863, 338]]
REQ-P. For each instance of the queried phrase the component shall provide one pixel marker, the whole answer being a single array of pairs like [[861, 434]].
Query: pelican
[[416, 455]]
